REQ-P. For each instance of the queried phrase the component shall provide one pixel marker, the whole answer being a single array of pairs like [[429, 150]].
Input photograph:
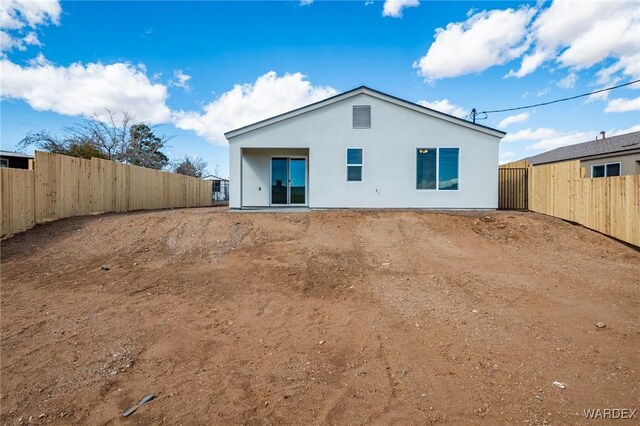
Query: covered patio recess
[[275, 177]]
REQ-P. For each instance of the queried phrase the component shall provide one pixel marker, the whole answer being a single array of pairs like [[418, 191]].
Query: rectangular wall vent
[[362, 116]]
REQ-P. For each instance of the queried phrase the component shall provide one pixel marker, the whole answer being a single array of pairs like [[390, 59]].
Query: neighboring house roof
[[14, 154], [212, 177], [371, 92], [610, 145]]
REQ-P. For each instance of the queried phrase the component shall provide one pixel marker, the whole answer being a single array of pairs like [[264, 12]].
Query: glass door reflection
[[297, 180], [288, 181], [279, 180]]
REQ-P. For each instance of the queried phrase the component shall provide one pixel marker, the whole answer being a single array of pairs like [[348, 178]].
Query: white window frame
[[361, 165], [437, 148], [605, 168], [4, 162]]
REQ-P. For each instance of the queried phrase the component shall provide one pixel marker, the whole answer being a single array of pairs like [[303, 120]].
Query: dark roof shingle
[[610, 145]]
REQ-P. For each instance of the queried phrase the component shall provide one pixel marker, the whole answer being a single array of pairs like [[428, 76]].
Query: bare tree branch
[[109, 135]]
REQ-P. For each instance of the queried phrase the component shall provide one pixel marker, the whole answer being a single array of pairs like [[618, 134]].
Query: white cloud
[[538, 94], [18, 15], [32, 39], [623, 105], [580, 35], [542, 92], [531, 134], [505, 156], [631, 129], [572, 34], [306, 2], [393, 8], [563, 139], [485, 39], [512, 119], [600, 96], [443, 105], [39, 60], [268, 96], [529, 64], [85, 89], [546, 139], [9, 42], [180, 79], [608, 75], [569, 81]]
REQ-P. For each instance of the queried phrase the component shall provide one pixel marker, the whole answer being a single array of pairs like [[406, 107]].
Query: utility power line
[[474, 114]]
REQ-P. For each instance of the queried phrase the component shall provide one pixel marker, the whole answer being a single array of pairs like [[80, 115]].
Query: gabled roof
[[610, 145], [15, 154], [371, 92], [213, 177]]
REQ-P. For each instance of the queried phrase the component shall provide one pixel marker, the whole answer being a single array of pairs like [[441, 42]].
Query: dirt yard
[[324, 317]]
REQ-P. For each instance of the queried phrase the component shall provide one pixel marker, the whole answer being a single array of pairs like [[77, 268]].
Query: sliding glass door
[[288, 181], [297, 180], [279, 180]]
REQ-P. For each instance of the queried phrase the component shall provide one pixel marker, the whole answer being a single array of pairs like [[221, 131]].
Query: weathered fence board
[[513, 188], [62, 186]]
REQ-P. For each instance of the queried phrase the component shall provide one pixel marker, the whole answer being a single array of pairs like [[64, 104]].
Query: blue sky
[[197, 69]]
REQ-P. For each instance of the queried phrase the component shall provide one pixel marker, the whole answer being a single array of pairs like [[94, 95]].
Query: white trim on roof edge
[[374, 93]]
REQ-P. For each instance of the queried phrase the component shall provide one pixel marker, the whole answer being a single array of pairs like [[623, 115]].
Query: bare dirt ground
[[323, 317]]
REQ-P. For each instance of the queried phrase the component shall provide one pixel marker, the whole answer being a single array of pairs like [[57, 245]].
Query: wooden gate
[[513, 189]]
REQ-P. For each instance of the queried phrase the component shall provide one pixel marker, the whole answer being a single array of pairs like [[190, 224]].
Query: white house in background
[[364, 149], [219, 188]]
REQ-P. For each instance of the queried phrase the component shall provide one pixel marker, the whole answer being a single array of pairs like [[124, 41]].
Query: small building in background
[[603, 157], [15, 160], [220, 188]]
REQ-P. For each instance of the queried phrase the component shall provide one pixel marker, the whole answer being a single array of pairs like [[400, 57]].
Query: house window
[[4, 162], [605, 170], [448, 159], [362, 116], [216, 186], [354, 164], [426, 168], [438, 168]]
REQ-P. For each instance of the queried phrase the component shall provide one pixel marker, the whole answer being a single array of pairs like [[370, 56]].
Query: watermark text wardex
[[611, 413]]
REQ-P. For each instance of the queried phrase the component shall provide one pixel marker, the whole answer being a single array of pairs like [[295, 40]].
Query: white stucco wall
[[256, 172], [389, 158]]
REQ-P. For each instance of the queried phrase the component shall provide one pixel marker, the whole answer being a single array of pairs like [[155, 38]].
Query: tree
[[84, 149], [195, 167], [144, 148], [110, 133], [111, 136]]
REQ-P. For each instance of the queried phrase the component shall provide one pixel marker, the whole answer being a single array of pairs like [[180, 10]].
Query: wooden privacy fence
[[62, 186], [609, 205], [513, 188]]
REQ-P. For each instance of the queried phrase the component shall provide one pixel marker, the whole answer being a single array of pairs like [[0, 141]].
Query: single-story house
[[219, 188], [15, 160], [607, 156], [364, 149]]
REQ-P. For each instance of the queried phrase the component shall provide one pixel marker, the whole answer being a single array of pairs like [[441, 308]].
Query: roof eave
[[372, 92]]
